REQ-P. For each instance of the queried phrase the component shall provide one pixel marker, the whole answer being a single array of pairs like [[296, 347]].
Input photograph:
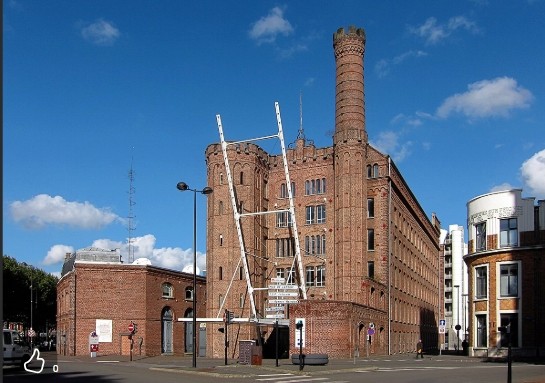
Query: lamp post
[[182, 186], [457, 287]]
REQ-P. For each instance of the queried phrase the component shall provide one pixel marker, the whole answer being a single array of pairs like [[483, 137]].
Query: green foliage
[[17, 281]]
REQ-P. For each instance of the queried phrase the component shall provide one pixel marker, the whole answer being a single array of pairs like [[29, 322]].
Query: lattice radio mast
[[130, 218]]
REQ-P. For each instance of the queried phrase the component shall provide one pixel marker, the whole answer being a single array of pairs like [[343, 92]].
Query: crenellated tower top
[[349, 49]]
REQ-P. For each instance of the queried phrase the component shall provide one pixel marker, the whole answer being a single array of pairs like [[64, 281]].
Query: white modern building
[[456, 287]]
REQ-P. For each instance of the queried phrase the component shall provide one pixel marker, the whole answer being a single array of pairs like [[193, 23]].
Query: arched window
[[168, 290], [375, 170], [189, 293]]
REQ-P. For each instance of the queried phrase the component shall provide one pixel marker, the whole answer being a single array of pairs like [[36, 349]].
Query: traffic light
[[299, 325]]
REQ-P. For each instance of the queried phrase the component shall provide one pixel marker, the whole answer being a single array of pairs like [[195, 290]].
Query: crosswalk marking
[[281, 378]]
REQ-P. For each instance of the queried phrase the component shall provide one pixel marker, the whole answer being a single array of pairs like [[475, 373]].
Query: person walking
[[420, 349]]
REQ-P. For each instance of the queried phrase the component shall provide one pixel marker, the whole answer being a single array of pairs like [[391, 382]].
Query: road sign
[[275, 316], [274, 308], [442, 329], [284, 287], [442, 322], [370, 331], [131, 327], [31, 333], [278, 280], [283, 294], [283, 301]]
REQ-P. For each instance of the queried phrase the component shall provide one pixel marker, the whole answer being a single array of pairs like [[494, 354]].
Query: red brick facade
[[123, 293], [379, 250]]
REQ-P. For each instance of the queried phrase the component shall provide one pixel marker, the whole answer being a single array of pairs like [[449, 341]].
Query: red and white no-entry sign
[[131, 327]]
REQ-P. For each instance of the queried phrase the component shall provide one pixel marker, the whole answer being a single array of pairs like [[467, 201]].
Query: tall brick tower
[[350, 148]]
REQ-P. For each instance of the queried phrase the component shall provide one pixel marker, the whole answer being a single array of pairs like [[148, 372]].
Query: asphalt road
[[395, 370]]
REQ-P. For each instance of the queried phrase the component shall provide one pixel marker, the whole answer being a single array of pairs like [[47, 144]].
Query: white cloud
[[388, 142], [501, 187], [382, 67], [56, 254], [267, 28], [487, 98], [533, 173], [42, 210], [433, 32], [173, 258], [101, 32]]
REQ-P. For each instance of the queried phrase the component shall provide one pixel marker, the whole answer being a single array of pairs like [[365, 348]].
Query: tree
[[18, 279]]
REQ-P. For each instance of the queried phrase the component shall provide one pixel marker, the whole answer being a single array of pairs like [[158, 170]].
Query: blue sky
[[455, 93]]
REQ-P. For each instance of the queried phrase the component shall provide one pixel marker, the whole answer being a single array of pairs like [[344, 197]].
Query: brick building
[[506, 267], [370, 254], [97, 292]]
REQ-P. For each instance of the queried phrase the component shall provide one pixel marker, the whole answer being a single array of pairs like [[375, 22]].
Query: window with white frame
[[508, 232], [280, 273], [480, 236], [310, 274], [315, 214], [320, 276], [283, 219], [189, 293], [168, 290], [481, 282], [315, 276], [291, 276], [509, 280]]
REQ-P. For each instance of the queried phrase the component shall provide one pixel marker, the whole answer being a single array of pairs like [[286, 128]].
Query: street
[[394, 369]]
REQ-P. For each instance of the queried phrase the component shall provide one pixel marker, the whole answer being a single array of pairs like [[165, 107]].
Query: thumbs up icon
[[28, 368]]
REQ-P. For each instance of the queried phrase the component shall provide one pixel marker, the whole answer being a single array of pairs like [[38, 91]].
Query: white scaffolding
[[238, 215]]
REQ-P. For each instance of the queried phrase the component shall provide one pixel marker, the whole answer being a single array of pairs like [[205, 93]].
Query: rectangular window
[[480, 236], [283, 191], [309, 276], [310, 215], [370, 207], [320, 213], [481, 334], [320, 276], [508, 232], [481, 290], [370, 239], [371, 269], [291, 276], [283, 219], [509, 280], [280, 273], [510, 320]]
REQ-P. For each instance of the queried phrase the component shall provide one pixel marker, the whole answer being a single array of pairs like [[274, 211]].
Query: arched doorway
[[188, 344], [166, 331], [360, 327]]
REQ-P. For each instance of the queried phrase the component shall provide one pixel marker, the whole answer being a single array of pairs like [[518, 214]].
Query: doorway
[[166, 331], [188, 344]]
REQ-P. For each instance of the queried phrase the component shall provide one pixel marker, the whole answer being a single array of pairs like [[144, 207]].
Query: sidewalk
[[215, 367]]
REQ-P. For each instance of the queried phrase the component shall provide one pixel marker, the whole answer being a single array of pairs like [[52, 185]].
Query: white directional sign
[[274, 308], [275, 316], [283, 294], [283, 301], [284, 287], [278, 280]]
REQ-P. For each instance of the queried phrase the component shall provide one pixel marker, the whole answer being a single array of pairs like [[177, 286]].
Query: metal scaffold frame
[[238, 215]]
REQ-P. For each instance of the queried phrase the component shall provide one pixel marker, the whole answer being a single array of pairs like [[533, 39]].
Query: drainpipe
[[389, 255]]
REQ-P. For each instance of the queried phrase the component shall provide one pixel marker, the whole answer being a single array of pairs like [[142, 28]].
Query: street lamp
[[458, 327], [182, 186]]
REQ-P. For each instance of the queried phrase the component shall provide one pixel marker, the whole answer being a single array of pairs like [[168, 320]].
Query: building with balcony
[[506, 264]]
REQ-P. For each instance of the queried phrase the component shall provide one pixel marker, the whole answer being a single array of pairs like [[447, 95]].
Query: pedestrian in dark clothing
[[420, 349]]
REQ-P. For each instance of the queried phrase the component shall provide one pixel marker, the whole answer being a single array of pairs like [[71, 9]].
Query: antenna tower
[[130, 217]]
